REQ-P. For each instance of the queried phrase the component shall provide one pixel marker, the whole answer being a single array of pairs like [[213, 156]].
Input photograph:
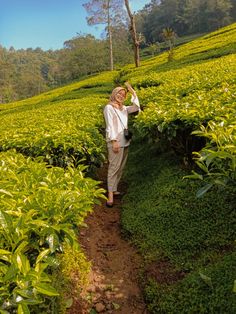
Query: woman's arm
[[134, 99], [136, 106]]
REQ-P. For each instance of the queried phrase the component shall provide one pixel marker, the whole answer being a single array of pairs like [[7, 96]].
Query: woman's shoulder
[[108, 107]]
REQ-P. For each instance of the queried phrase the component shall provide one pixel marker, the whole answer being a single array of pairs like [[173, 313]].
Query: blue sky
[[45, 23]]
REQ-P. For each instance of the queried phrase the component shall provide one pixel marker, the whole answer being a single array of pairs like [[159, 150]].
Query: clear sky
[[45, 23]]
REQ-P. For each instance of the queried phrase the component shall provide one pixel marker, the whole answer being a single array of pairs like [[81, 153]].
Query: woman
[[116, 118]]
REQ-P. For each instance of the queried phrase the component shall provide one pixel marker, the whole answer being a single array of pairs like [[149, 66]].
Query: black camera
[[128, 134]]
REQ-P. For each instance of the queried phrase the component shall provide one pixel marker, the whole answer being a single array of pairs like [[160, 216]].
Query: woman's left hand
[[115, 147]]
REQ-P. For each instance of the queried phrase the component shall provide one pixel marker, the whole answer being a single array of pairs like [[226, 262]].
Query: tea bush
[[63, 131], [40, 209], [189, 114], [189, 105], [184, 99]]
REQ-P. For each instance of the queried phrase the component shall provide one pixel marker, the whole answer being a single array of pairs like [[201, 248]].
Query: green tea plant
[[217, 159], [40, 209], [181, 99], [41, 205], [189, 104], [189, 107], [62, 127]]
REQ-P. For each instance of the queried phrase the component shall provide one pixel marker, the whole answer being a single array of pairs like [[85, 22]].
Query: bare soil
[[114, 278]]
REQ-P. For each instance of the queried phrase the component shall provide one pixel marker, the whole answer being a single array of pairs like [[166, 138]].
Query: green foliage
[[185, 17], [75, 266], [166, 222], [189, 106], [64, 131], [41, 206], [218, 158], [169, 36], [39, 210], [161, 211], [25, 73], [198, 292], [71, 278], [197, 106]]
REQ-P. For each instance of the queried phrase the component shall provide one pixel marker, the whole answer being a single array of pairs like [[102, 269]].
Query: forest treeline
[[27, 72]]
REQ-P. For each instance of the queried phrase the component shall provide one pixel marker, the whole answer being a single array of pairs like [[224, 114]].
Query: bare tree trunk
[[133, 34], [110, 36]]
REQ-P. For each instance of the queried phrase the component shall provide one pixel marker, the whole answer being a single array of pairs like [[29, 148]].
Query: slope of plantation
[[210, 46], [63, 125], [41, 207], [194, 92], [198, 93], [188, 242], [99, 83]]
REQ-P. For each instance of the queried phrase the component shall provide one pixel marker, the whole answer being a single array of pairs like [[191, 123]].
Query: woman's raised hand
[[130, 88]]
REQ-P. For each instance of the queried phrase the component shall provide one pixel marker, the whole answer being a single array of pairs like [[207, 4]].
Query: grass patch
[[209, 290], [167, 222]]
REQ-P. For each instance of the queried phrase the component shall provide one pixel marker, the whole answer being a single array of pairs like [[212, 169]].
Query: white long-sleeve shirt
[[117, 120]]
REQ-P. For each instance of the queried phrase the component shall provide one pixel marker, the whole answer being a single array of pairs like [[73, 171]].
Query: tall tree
[[108, 12], [136, 39]]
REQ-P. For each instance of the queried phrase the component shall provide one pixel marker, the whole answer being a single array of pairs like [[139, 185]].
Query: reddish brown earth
[[116, 266], [114, 278]]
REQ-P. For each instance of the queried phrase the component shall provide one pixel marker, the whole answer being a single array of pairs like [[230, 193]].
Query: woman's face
[[120, 96]]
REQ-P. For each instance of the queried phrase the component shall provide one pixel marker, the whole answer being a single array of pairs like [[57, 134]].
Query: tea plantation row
[[42, 205], [185, 229]]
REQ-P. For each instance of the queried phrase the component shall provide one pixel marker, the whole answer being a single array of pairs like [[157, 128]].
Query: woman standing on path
[[117, 135]]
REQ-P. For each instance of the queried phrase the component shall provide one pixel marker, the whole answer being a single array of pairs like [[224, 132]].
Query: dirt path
[[113, 286]]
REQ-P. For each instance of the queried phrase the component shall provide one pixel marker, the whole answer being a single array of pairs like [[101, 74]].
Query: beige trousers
[[116, 166]]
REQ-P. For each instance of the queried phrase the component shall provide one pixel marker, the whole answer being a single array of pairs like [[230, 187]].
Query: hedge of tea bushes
[[194, 96], [40, 210], [63, 126], [217, 159], [191, 241], [213, 45], [188, 100], [41, 206], [184, 96], [102, 81], [199, 93]]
